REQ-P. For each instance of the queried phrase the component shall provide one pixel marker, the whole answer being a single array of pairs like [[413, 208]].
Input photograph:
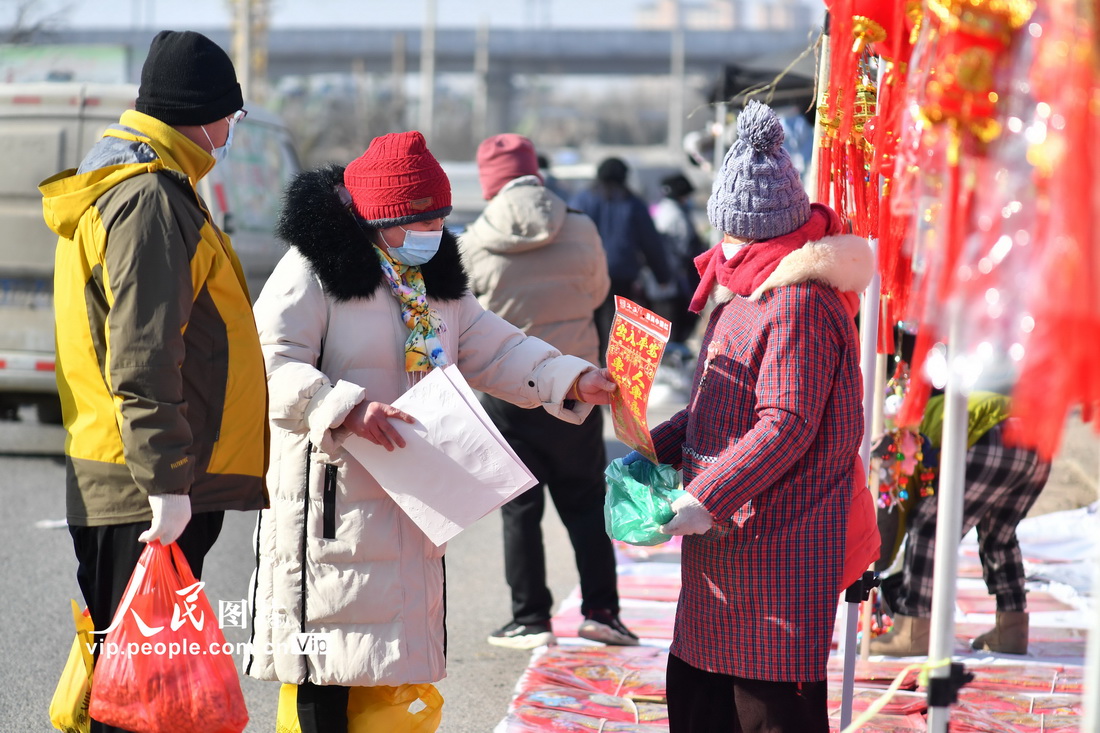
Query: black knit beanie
[[611, 170], [676, 186], [187, 79]]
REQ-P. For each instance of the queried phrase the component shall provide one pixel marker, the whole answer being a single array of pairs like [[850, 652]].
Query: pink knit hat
[[502, 158], [398, 181]]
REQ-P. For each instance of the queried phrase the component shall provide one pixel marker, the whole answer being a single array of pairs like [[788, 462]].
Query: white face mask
[[418, 247], [222, 151]]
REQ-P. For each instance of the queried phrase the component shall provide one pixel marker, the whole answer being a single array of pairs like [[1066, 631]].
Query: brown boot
[[907, 638], [1009, 636]]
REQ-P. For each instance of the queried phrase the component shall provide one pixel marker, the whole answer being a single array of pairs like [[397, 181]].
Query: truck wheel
[[49, 411], [9, 409]]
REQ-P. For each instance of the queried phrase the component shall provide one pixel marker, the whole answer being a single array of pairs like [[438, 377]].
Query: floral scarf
[[423, 349]]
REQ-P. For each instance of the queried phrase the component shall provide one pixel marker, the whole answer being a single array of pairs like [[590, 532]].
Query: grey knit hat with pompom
[[758, 193]]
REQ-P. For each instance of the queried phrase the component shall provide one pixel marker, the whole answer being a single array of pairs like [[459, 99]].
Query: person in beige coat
[[370, 297], [541, 266]]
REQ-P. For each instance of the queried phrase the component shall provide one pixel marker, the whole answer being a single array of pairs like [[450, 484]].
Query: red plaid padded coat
[[771, 433]]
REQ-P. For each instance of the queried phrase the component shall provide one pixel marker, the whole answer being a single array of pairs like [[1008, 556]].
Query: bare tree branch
[[32, 20]]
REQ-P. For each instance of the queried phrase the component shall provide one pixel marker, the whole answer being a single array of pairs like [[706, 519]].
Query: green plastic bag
[[638, 501]]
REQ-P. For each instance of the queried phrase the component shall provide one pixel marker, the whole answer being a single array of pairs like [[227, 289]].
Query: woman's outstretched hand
[[595, 387], [371, 420]]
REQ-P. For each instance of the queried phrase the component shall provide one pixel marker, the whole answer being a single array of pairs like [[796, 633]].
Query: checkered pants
[[1002, 484]]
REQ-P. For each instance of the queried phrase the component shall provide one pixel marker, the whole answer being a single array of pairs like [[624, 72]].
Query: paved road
[[37, 575]]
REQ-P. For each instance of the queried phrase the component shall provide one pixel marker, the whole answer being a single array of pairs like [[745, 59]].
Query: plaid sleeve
[[794, 384], [668, 438]]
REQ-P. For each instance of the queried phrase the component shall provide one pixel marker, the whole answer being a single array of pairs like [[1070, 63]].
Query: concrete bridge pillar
[[496, 91]]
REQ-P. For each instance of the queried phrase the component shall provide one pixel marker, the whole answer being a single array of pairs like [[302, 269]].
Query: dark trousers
[[323, 708], [107, 555], [709, 702], [569, 460], [1001, 485]]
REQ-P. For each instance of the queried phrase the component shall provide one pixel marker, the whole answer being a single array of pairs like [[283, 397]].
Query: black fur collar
[[338, 247]]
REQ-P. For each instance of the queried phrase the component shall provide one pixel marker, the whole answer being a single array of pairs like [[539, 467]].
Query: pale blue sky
[[319, 13], [155, 14]]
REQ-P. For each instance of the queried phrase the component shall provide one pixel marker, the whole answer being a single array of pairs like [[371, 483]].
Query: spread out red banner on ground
[[637, 340]]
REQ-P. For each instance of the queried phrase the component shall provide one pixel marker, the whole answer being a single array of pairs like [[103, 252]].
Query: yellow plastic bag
[[379, 709], [69, 706]]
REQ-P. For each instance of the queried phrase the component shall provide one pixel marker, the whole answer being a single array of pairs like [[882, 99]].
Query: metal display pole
[[480, 124], [677, 84], [877, 428], [868, 321], [244, 46], [876, 425], [1092, 657], [945, 677], [822, 87]]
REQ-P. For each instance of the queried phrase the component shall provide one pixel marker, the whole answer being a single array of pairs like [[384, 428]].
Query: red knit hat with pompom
[[398, 181]]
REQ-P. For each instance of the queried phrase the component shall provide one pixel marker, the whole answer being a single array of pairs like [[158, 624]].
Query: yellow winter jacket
[[983, 411], [158, 362]]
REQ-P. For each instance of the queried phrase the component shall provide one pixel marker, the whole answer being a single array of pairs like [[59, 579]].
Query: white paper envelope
[[455, 467]]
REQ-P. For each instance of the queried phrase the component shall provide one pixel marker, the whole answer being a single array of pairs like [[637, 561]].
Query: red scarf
[[751, 265]]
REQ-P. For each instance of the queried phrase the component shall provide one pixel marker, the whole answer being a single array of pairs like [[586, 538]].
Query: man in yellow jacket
[[158, 361]]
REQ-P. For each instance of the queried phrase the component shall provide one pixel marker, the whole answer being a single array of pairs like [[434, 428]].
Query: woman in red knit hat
[[370, 297]]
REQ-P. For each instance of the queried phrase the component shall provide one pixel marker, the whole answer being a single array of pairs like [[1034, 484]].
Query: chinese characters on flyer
[[637, 340]]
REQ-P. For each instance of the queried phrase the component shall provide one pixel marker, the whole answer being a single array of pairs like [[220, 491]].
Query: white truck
[[48, 127]]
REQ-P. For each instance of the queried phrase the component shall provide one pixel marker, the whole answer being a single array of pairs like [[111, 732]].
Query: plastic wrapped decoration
[[1000, 254], [1058, 367], [1028, 276], [883, 132], [959, 62], [917, 199], [970, 42]]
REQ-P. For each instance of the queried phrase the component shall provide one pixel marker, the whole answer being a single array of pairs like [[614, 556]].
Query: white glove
[[691, 517], [171, 513]]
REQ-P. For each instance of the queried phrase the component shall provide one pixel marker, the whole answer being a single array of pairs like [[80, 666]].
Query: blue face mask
[[418, 247], [220, 153]]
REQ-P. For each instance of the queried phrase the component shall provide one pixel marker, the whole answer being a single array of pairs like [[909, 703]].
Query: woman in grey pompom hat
[[769, 449], [758, 194]]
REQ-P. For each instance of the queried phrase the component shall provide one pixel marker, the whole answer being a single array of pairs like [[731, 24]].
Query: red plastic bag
[[164, 666]]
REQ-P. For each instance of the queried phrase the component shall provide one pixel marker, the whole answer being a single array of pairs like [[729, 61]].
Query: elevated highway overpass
[[509, 50]]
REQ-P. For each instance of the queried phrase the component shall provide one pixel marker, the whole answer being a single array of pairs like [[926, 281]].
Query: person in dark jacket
[[629, 239], [672, 217]]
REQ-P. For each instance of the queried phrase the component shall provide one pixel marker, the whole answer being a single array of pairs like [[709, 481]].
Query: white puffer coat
[[336, 555]]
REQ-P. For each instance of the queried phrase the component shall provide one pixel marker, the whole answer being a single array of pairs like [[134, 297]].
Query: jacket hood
[[844, 261], [339, 247], [67, 195], [522, 217], [137, 144]]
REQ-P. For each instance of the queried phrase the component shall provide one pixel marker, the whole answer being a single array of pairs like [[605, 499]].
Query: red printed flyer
[[637, 340]]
